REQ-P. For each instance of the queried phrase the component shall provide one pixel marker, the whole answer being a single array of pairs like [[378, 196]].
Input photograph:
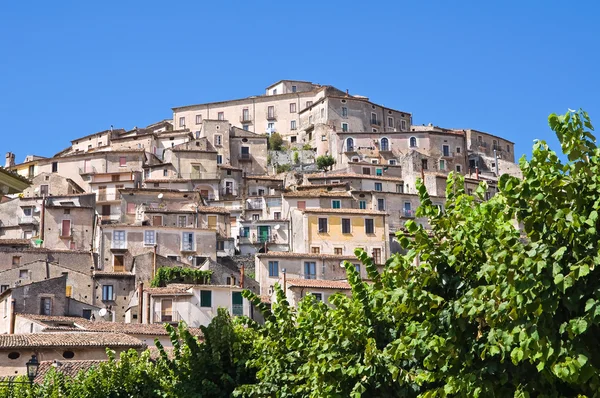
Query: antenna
[[102, 312], [36, 190], [276, 227], [160, 195], [190, 258]]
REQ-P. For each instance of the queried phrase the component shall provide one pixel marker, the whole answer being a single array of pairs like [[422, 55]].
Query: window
[[255, 217], [292, 107], [424, 164], [508, 148], [322, 112], [174, 258], [458, 168], [244, 232], [273, 269], [219, 159], [23, 274], [315, 250], [445, 150], [294, 89], [220, 245], [187, 241], [407, 209], [245, 127], [336, 204], [54, 167], [378, 186], [44, 190], [181, 221], [392, 162], [379, 172], [384, 145], [205, 298], [198, 119], [122, 162], [66, 228], [274, 91], [277, 215], [442, 164], [322, 225], [271, 112], [293, 138], [221, 116], [377, 255], [373, 118], [488, 195], [369, 227], [107, 292], [301, 204], [293, 125], [318, 296], [16, 261], [182, 122], [271, 126], [310, 270], [218, 139], [149, 238], [413, 142], [366, 170], [310, 120], [309, 103], [130, 208], [381, 204], [3, 288], [390, 122], [346, 226], [245, 114], [362, 204], [338, 251], [119, 240], [27, 211], [118, 263], [345, 127], [46, 306], [457, 149], [357, 268], [399, 188], [344, 111], [403, 125]]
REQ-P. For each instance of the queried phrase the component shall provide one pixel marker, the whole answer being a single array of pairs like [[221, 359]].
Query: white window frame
[[410, 145], [122, 245], [322, 299], [198, 119], [218, 140], [153, 234], [392, 162], [403, 125], [338, 201], [458, 168], [442, 164], [185, 222], [293, 125], [344, 111], [347, 127], [183, 242], [182, 121]]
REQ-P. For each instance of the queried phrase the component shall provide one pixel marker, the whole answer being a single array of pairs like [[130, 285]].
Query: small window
[[399, 188], [369, 227], [336, 204], [446, 150], [413, 142], [205, 298], [218, 139], [45, 306], [315, 250], [219, 159], [68, 355], [381, 204], [344, 127], [508, 148], [293, 125], [54, 167], [277, 215], [457, 149], [390, 122], [293, 138], [322, 225], [442, 164], [362, 204], [344, 111], [3, 288], [292, 107], [16, 261], [255, 217], [187, 241], [366, 170], [346, 229], [221, 116], [221, 245], [107, 292], [14, 355], [273, 269], [338, 251], [318, 296], [323, 137], [309, 104], [119, 238], [149, 238], [424, 164], [294, 89], [392, 162], [377, 255], [182, 122], [122, 161], [378, 172], [130, 208], [198, 119], [458, 168], [378, 186], [403, 125]]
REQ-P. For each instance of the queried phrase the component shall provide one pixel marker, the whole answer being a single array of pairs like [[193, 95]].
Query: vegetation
[[475, 308], [296, 157], [306, 147], [275, 142], [166, 275], [325, 162], [283, 168]]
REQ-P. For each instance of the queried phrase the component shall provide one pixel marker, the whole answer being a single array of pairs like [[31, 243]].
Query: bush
[[325, 162], [283, 168], [275, 142], [296, 157]]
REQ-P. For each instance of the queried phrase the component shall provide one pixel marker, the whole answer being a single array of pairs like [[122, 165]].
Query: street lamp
[[32, 368]]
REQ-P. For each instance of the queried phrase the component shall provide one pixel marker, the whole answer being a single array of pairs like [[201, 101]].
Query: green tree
[[477, 307], [296, 157], [325, 162], [275, 142]]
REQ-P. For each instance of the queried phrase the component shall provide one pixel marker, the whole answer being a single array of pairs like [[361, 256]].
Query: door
[[106, 210], [102, 193], [229, 188], [263, 233], [66, 228], [157, 220], [237, 304], [167, 310]]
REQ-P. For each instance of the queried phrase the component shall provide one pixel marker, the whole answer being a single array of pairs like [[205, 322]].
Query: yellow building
[[340, 231]]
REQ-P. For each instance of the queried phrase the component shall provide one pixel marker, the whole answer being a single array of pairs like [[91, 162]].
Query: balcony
[[255, 205], [408, 213], [229, 192], [245, 119], [350, 149], [244, 157], [87, 170], [375, 122], [167, 317], [110, 197], [271, 115], [385, 148], [447, 154], [118, 245], [261, 239], [28, 220]]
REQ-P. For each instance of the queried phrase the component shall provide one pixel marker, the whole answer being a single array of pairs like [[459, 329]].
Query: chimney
[[10, 160], [347, 93], [141, 302]]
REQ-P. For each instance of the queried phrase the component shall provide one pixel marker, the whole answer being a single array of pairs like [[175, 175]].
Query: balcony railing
[[28, 220], [118, 245], [87, 170], [166, 316], [384, 148], [408, 213], [255, 205], [375, 122], [245, 119], [237, 309], [244, 157], [271, 115], [350, 148], [258, 239], [229, 192]]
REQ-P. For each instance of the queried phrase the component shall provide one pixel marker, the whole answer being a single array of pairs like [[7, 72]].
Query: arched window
[[384, 144], [413, 142], [349, 144]]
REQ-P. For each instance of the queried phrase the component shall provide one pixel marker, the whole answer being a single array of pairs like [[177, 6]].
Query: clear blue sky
[[68, 69]]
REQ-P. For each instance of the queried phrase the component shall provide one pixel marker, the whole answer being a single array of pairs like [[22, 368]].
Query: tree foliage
[[275, 142], [325, 162], [166, 275]]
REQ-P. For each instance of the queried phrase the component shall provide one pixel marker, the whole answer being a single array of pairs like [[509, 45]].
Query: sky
[[72, 68]]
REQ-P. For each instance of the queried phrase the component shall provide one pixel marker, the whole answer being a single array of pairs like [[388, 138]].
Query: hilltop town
[[127, 229]]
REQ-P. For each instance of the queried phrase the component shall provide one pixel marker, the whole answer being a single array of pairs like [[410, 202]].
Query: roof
[[51, 318], [15, 242], [69, 339], [169, 291], [305, 255], [213, 209], [264, 178], [352, 175], [346, 211], [319, 283], [133, 328], [321, 186], [14, 175], [114, 274], [291, 81], [316, 193], [154, 180], [68, 368], [228, 167]]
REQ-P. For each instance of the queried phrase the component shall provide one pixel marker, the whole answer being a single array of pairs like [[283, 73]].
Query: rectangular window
[[377, 256], [55, 167], [245, 115], [219, 159], [322, 225], [362, 204], [66, 228], [46, 306], [277, 215], [373, 118], [181, 221], [107, 292], [310, 270], [345, 127], [218, 139], [205, 298], [149, 238], [369, 227], [379, 172], [16, 261], [308, 104], [322, 112], [403, 125], [338, 251], [271, 112], [446, 150], [106, 210], [182, 122], [273, 269], [187, 241], [246, 127], [381, 204], [221, 116], [442, 164], [424, 164], [255, 217], [115, 178], [221, 245], [118, 263], [198, 119], [378, 186], [244, 232], [315, 250], [3, 288], [346, 226], [399, 188], [122, 161], [294, 89], [336, 204], [292, 107], [44, 190], [27, 211], [457, 149], [119, 240], [458, 168], [130, 208], [23, 274], [318, 296], [390, 122], [344, 111], [366, 170]]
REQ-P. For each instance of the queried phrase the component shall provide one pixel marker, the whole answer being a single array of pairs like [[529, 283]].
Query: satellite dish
[[190, 258], [102, 312], [36, 190], [276, 227], [36, 210], [160, 195]]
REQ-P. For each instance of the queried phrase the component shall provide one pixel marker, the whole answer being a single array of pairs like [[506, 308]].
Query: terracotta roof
[[51, 318], [115, 274], [170, 290], [305, 255], [314, 186], [346, 211], [316, 193], [228, 167], [68, 368], [319, 283], [213, 209], [154, 180], [15, 242], [133, 328], [14, 174], [68, 339], [352, 175], [264, 178]]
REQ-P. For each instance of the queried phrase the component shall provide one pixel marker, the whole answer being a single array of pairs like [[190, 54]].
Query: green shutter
[[205, 298]]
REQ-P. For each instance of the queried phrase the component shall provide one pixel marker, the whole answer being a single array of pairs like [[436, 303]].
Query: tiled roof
[[114, 274], [68, 368], [51, 318], [264, 178], [14, 174], [169, 290], [305, 255], [69, 339], [321, 186], [352, 175], [15, 242], [133, 328], [154, 180], [228, 167], [319, 283], [213, 209], [316, 193], [347, 211]]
